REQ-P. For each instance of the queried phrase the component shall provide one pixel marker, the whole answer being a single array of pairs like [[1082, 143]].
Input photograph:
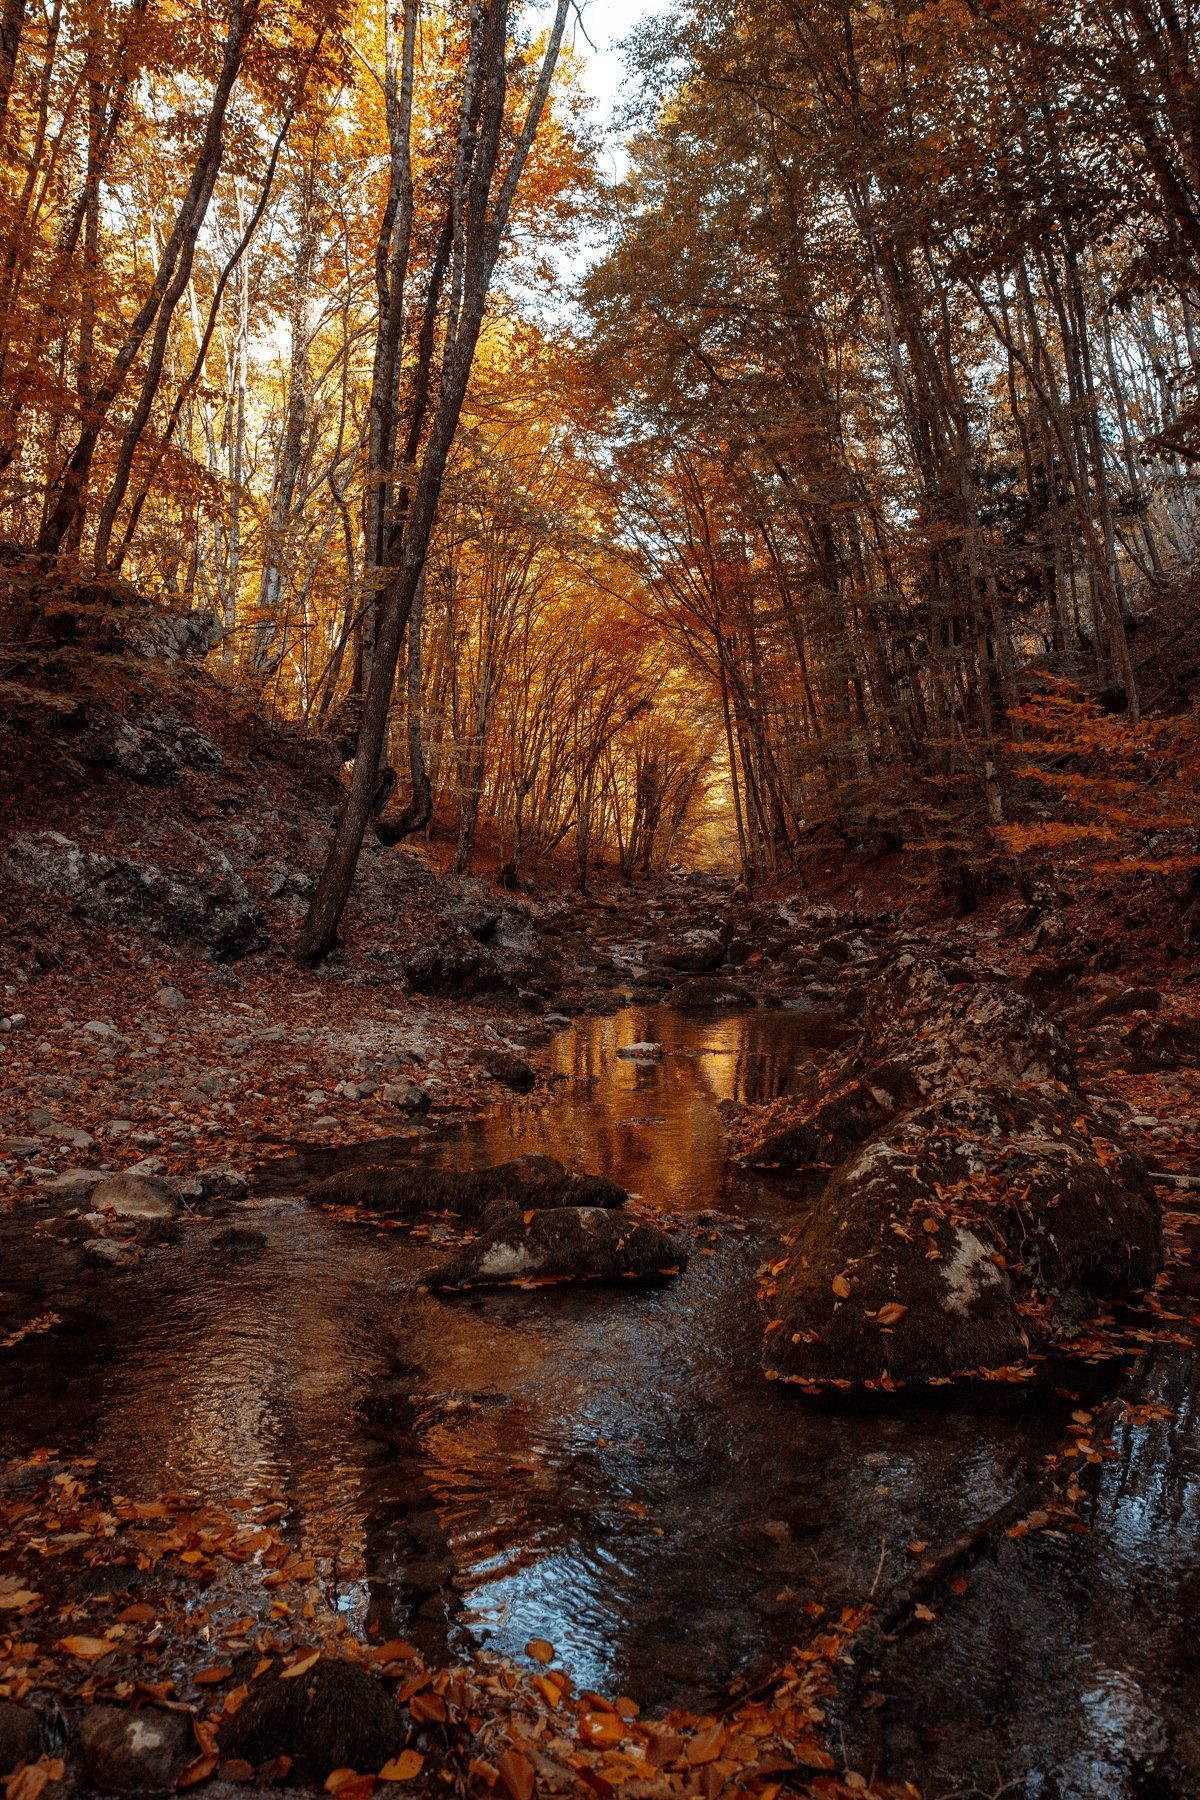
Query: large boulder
[[209, 906], [926, 1030], [526, 1183], [960, 1233], [133, 1196], [135, 1752], [584, 1243], [334, 1716], [694, 952]]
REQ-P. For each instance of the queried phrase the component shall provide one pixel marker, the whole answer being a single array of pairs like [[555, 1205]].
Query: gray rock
[[104, 1253], [210, 906], [134, 1196], [239, 1240], [221, 1183], [127, 1752], [406, 1096], [72, 1184], [641, 1052], [22, 1146], [334, 1716], [171, 998]]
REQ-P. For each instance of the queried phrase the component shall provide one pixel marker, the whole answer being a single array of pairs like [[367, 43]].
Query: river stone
[[104, 1253], [694, 952], [511, 1071], [641, 1052], [563, 1244], [222, 1183], [707, 991], [72, 1184], [335, 1716], [961, 1214], [133, 1196], [20, 1736], [527, 1182], [129, 1752], [239, 1240]]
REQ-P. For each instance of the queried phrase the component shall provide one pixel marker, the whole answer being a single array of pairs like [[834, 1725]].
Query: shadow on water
[[609, 1470]]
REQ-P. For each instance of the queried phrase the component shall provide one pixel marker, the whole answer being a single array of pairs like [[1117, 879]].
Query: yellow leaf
[[516, 1772], [404, 1767], [301, 1667], [86, 1648], [540, 1650]]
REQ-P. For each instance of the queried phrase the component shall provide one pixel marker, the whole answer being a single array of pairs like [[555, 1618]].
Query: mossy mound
[[334, 1716], [568, 1244], [525, 1183], [959, 1235]]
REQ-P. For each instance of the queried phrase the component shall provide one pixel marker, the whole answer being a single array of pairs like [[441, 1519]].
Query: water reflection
[[609, 1471]]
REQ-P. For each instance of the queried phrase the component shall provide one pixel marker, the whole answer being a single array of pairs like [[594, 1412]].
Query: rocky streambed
[[603, 1469]]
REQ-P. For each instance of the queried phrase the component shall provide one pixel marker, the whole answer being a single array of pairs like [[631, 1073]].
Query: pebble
[[103, 1252]]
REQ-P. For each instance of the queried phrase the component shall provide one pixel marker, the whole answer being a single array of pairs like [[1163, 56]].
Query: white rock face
[[968, 1272]]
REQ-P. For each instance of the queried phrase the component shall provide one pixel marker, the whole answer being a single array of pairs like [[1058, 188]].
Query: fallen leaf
[[516, 1772], [86, 1648], [892, 1313], [197, 1771], [540, 1650], [301, 1667], [404, 1767], [923, 1612], [601, 1728], [348, 1784], [841, 1287]]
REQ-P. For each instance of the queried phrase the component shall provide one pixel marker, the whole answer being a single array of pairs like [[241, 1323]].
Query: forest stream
[[609, 1471]]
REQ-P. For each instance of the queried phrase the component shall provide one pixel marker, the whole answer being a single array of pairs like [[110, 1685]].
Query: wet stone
[[127, 1752], [335, 1716], [20, 1736]]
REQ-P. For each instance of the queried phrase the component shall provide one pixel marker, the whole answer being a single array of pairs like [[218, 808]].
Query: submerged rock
[[128, 1752], [334, 1716], [239, 1240], [524, 1183], [585, 1243], [958, 1235]]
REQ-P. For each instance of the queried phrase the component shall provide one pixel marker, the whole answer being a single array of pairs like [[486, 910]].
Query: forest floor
[[144, 832]]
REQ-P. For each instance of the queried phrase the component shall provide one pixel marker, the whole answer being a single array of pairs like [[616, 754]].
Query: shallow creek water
[[610, 1471]]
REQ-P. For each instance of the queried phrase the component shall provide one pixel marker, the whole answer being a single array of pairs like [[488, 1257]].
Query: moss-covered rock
[[958, 1235], [926, 1030], [526, 1183], [568, 1244], [334, 1716]]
